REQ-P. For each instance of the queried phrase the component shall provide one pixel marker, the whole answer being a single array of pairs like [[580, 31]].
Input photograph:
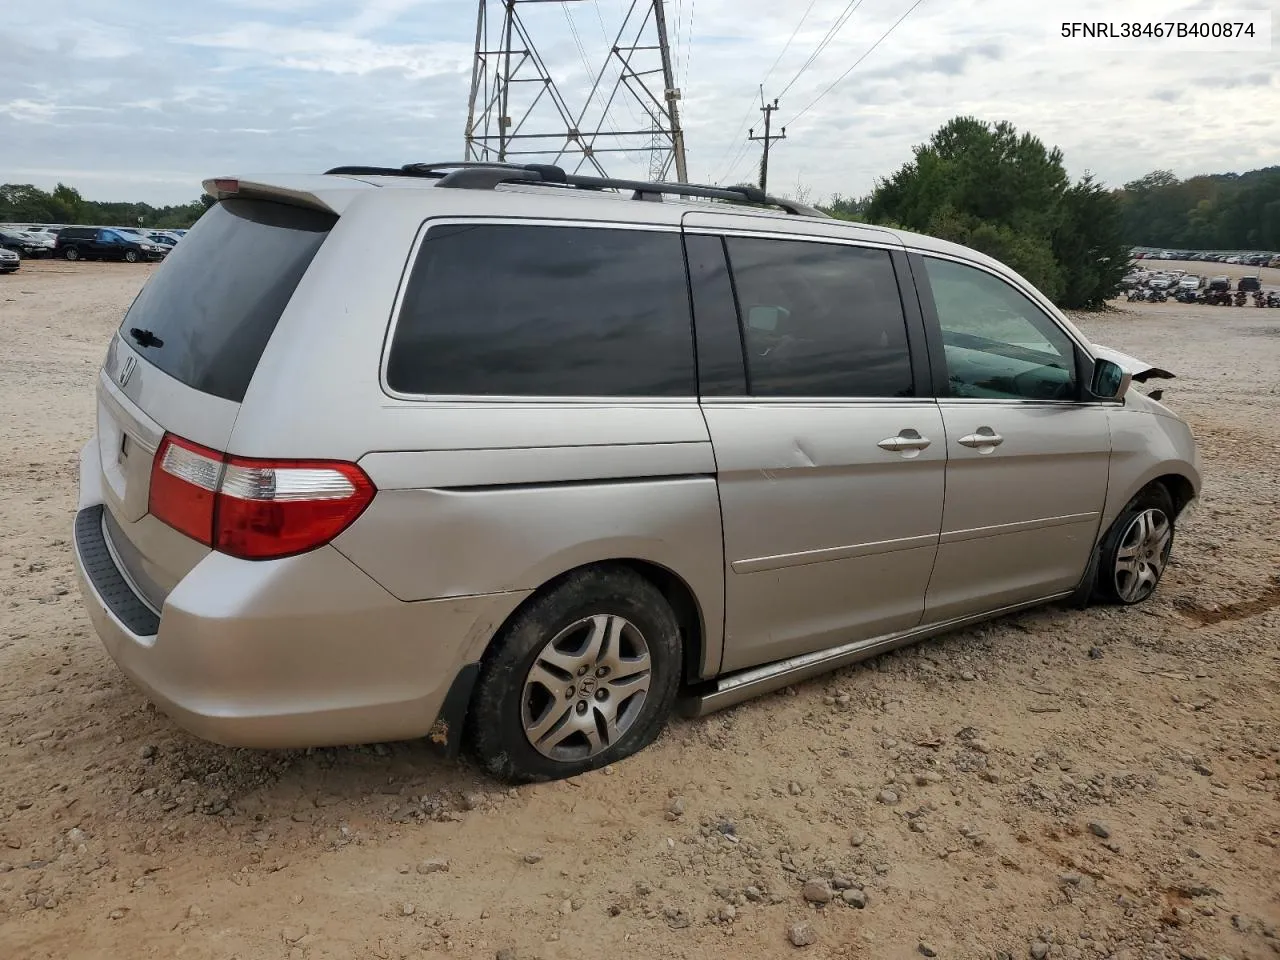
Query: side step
[[734, 688]]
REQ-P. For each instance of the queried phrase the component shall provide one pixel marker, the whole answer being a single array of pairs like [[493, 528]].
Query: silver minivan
[[557, 455]]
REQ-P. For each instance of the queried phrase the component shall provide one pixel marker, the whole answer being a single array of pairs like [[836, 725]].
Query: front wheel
[[1136, 549], [131, 256], [584, 676]]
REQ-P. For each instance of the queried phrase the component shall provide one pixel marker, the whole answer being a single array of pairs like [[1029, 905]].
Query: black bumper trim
[[101, 571]]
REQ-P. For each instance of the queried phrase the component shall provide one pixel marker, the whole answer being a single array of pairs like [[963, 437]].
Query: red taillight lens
[[255, 509], [184, 485], [272, 508]]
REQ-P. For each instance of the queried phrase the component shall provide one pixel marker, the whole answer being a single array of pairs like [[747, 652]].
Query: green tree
[[1224, 211], [1008, 195], [24, 203], [1088, 244]]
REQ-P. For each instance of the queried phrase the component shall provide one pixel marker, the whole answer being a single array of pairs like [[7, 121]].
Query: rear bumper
[[307, 651]]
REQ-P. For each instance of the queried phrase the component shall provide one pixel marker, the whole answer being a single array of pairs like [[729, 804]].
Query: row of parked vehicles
[[1187, 288], [1242, 259], [131, 244]]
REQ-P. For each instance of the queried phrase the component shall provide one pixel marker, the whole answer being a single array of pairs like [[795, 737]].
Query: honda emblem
[[127, 370]]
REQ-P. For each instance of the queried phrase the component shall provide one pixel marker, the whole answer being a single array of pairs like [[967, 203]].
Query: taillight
[[270, 508], [184, 485], [255, 509]]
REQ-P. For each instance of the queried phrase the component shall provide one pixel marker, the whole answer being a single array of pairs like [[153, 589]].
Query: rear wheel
[[585, 675], [1136, 549], [71, 253]]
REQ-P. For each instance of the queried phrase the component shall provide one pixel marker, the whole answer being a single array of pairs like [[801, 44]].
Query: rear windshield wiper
[[145, 338]]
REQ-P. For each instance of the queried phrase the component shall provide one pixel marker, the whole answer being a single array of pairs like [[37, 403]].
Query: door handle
[[984, 440], [905, 441]]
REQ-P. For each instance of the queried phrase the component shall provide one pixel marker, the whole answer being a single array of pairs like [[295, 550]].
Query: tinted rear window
[[207, 314], [508, 310], [820, 320]]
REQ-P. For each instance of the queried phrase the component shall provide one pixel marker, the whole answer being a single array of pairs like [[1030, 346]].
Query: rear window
[[511, 310], [207, 314]]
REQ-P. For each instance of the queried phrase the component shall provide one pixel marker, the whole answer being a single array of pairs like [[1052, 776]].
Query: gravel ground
[[1057, 784]]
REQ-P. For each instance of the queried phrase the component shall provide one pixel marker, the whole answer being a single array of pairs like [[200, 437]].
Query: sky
[[143, 99]]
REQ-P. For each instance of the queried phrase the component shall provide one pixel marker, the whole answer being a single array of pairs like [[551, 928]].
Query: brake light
[[255, 509], [184, 485], [277, 508], [226, 187]]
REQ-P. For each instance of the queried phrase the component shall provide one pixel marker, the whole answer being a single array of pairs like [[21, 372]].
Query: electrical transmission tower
[[516, 109]]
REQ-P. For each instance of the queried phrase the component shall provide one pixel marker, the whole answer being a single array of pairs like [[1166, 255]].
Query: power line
[[790, 39], [850, 9], [855, 63], [688, 40], [742, 125]]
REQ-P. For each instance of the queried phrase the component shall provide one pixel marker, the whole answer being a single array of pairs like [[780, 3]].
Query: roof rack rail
[[487, 175]]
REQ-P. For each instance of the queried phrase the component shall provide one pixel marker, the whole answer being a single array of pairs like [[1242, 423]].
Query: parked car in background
[[105, 243], [1220, 284], [45, 241], [21, 244], [168, 239], [9, 261], [1190, 282], [1249, 284]]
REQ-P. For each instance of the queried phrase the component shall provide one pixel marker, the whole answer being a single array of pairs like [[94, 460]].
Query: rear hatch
[[182, 361]]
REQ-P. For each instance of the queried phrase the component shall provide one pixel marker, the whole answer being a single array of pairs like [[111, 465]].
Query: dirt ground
[[1060, 783]]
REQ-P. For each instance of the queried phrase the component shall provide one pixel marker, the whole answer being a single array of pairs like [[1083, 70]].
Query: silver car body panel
[[802, 542], [827, 536]]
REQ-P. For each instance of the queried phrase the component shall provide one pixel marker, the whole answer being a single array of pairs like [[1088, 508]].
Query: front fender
[[1145, 447]]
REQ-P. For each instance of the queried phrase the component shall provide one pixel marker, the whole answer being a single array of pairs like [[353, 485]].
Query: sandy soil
[[1062, 783]]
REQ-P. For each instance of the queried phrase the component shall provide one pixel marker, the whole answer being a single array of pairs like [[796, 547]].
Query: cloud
[[147, 105]]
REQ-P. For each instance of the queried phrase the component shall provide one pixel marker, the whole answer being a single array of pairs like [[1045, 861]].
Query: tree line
[[24, 203], [1008, 195], [1223, 211]]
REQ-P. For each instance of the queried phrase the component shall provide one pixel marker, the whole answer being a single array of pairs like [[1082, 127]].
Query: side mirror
[[1110, 380]]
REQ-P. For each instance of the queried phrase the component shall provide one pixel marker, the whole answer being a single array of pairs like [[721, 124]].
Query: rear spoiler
[[1139, 370], [317, 192]]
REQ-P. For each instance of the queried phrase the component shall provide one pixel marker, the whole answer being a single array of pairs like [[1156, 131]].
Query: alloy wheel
[[586, 688], [1142, 555]]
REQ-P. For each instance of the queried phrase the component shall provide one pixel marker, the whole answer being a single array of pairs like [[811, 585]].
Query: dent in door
[[828, 537]]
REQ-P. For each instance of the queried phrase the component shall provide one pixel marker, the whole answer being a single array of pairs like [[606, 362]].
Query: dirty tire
[[496, 731], [1107, 588]]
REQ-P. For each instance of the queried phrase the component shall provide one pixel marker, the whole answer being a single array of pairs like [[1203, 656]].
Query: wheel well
[[1180, 490], [673, 589], [685, 607]]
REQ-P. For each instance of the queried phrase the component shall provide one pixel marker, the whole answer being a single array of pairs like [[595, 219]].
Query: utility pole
[[767, 109]]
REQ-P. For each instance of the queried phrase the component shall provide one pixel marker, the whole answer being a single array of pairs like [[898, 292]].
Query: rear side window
[[820, 320], [511, 310], [207, 314]]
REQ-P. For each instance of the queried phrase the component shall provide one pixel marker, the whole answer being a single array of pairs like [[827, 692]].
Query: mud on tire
[[583, 675]]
